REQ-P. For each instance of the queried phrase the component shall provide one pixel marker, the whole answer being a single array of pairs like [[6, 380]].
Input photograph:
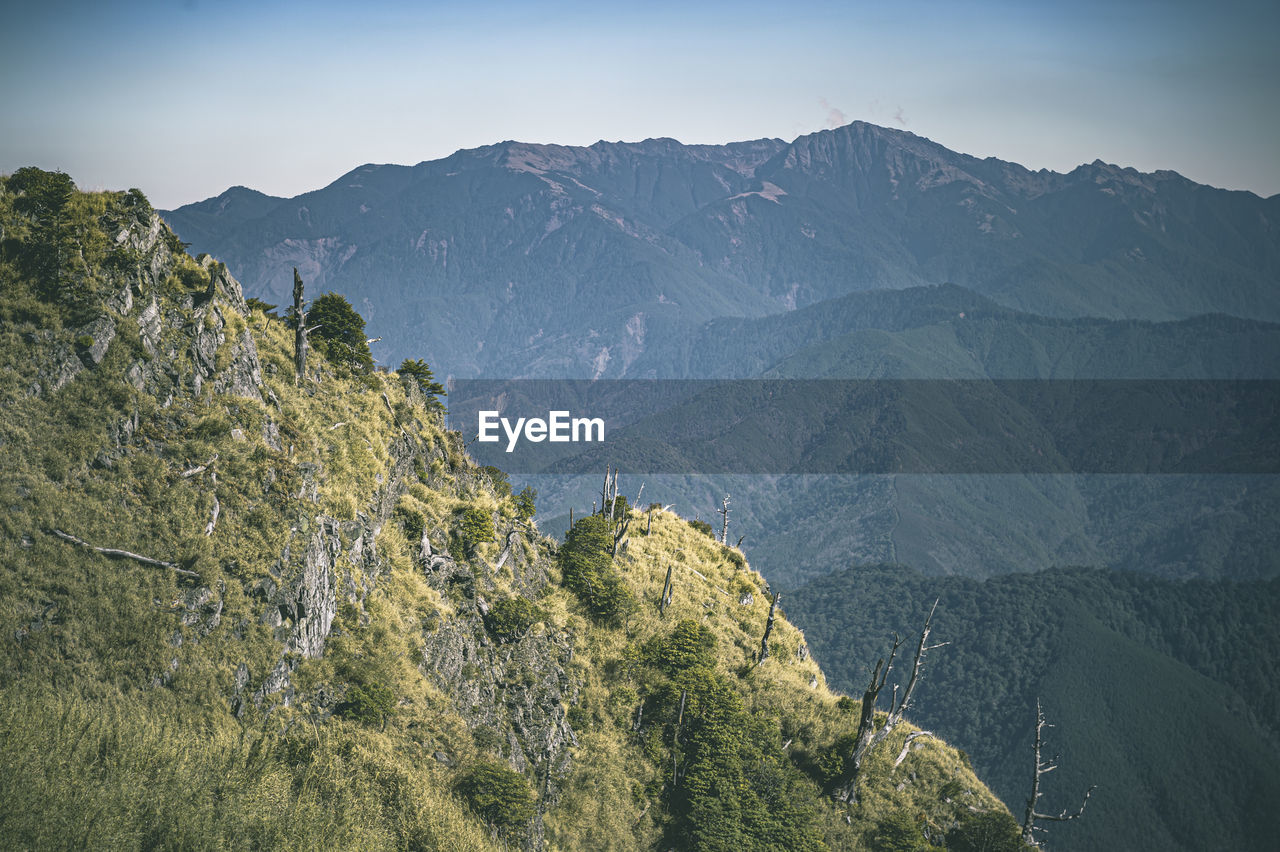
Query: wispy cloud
[[900, 118], [835, 117]]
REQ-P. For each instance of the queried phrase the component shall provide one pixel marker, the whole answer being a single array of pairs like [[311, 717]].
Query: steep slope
[[244, 610]]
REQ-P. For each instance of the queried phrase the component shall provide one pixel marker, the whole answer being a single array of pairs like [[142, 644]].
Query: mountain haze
[[579, 261]]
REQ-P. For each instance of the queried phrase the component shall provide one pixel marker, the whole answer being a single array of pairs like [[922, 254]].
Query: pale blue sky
[[184, 99]]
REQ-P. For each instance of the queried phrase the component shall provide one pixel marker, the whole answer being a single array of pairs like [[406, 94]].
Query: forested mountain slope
[[1164, 694]]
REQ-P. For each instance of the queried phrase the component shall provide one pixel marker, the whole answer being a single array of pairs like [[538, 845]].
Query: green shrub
[[510, 618], [525, 508], [703, 527], [900, 832], [991, 831], [339, 334], [587, 570], [259, 305], [369, 704], [412, 522], [416, 370], [620, 507], [688, 644], [830, 762], [474, 527], [498, 794]]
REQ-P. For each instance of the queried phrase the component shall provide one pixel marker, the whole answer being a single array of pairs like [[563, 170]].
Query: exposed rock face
[[59, 364], [517, 690], [97, 336], [185, 344]]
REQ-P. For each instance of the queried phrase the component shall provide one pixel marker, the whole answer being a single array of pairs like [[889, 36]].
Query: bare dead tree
[[869, 735], [608, 492], [300, 333], [618, 525], [724, 524], [665, 600], [768, 628], [1029, 827]]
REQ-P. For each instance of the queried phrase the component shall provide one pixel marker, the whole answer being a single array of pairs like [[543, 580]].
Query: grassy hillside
[[241, 611]]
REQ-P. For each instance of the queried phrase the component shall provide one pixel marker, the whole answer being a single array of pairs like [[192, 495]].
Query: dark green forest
[[1165, 694]]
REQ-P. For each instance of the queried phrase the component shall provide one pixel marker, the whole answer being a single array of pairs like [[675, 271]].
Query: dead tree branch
[[768, 628], [300, 333], [113, 553], [200, 468], [1029, 827], [869, 736], [506, 550], [724, 524], [906, 746]]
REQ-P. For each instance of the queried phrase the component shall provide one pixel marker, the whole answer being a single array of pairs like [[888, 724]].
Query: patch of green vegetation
[[703, 527], [411, 521], [473, 527], [417, 371], [525, 504], [338, 332], [368, 704], [588, 571], [498, 794], [511, 618]]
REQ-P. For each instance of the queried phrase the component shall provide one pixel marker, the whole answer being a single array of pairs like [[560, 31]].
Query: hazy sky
[[185, 98]]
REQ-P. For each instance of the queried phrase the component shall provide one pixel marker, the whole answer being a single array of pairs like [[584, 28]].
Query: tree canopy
[[417, 370], [338, 332]]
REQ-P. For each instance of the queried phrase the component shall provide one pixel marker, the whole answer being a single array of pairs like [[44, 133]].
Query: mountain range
[[520, 260]]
